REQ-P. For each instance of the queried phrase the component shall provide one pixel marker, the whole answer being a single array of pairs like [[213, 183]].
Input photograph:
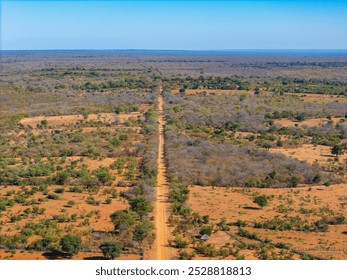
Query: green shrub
[[91, 200], [71, 244], [111, 249], [261, 200], [206, 230], [179, 242]]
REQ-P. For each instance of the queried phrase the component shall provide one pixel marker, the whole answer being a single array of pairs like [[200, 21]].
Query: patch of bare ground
[[210, 91], [308, 122], [308, 203], [310, 153], [242, 135], [107, 118], [319, 98]]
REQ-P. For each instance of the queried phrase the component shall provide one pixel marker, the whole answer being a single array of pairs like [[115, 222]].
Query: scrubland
[[254, 152]]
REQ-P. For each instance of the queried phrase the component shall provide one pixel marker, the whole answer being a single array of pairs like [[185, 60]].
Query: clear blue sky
[[175, 25]]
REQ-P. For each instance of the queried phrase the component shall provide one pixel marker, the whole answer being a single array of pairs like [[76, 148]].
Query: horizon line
[[182, 50]]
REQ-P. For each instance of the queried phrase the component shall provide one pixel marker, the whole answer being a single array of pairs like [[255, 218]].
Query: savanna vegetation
[[255, 153]]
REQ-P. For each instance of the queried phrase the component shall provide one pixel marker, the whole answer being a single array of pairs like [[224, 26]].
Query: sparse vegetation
[[79, 148]]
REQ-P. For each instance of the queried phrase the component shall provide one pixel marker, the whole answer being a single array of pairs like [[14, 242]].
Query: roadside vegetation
[[255, 152]]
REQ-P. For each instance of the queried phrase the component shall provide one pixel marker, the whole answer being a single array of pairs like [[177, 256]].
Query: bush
[[103, 175], [92, 201], [206, 230], [140, 205], [111, 249], [184, 255], [207, 250], [71, 203], [123, 137], [53, 196], [123, 220], [76, 189], [261, 200], [61, 177], [337, 150], [142, 231], [59, 190], [179, 242], [71, 244]]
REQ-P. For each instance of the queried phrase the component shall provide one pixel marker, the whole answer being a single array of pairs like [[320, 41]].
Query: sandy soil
[[100, 222], [243, 135], [86, 217], [308, 122], [237, 203], [216, 91], [54, 121], [319, 98], [310, 153]]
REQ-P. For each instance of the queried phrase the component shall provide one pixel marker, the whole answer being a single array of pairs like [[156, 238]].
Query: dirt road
[[163, 252]]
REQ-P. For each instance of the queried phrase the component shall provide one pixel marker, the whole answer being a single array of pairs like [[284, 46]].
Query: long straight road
[[163, 251]]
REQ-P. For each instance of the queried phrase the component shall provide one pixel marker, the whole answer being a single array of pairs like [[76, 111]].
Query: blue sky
[[174, 25]]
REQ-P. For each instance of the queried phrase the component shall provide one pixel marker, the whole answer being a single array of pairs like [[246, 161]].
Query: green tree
[[111, 249], [337, 150], [123, 220], [44, 123], [300, 117], [71, 244], [104, 176], [267, 146], [293, 182], [141, 231], [140, 205], [118, 110]]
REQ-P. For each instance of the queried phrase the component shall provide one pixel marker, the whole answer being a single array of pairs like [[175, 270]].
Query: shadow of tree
[[56, 255], [93, 258], [251, 208]]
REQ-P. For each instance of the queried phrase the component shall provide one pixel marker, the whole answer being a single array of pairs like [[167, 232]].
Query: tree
[[104, 176], [300, 117], [111, 249], [261, 200], [267, 146], [279, 143], [71, 244], [44, 123], [123, 220], [140, 205], [141, 231], [337, 150], [293, 182], [85, 115], [118, 110]]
